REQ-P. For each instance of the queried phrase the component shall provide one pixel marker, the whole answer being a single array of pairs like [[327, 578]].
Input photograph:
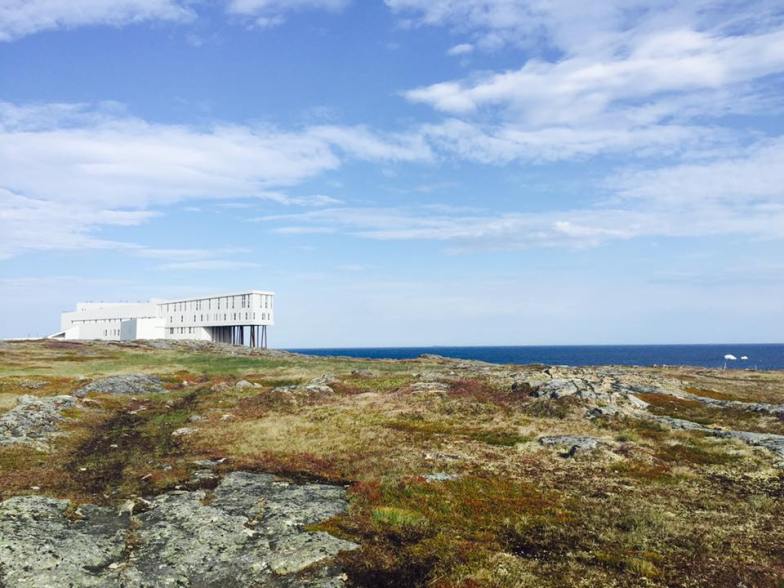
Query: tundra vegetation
[[458, 473]]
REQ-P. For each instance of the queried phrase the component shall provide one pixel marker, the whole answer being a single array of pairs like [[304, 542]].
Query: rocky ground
[[249, 530], [207, 465]]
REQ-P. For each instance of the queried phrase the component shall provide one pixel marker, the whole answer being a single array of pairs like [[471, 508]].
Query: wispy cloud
[[24, 17], [740, 195], [19, 18], [73, 167], [208, 265], [601, 77], [270, 13]]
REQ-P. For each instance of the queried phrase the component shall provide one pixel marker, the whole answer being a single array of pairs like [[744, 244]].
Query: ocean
[[760, 356]]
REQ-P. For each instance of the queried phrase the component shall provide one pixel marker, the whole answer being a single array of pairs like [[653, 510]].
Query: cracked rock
[[33, 420], [576, 444], [250, 531], [129, 384]]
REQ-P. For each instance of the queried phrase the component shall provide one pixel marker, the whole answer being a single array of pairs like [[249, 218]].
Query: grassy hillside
[[450, 483]]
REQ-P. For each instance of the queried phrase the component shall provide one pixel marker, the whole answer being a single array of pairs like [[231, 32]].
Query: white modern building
[[238, 318]]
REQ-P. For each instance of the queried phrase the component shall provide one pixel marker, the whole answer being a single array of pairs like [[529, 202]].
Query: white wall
[[176, 319], [144, 328], [251, 308]]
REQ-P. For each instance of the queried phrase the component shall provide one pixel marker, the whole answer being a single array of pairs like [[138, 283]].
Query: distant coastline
[[761, 356]]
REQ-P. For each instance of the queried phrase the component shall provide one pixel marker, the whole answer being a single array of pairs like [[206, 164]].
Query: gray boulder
[[33, 420], [557, 388], [128, 384], [321, 385], [575, 444]]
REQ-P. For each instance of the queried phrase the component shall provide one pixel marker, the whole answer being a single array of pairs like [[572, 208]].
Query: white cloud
[[25, 17], [460, 49], [270, 13], [598, 77], [208, 265], [756, 177], [542, 93], [30, 223], [741, 195], [506, 142], [578, 27], [71, 168]]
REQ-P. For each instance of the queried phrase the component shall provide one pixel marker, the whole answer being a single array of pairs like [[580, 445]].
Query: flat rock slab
[[770, 441], [33, 421], [575, 444], [129, 384], [249, 531]]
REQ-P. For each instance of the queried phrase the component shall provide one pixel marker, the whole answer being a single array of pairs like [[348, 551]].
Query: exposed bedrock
[[34, 421], [127, 384], [249, 531]]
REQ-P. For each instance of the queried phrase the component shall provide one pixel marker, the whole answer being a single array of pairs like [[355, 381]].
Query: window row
[[235, 316], [223, 302]]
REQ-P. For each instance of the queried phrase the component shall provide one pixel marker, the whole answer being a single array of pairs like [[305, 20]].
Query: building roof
[[191, 298]]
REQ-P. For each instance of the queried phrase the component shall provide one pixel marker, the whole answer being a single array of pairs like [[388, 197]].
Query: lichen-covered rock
[[245, 385], [440, 477], [33, 420], [772, 442], [318, 389], [249, 532], [427, 387], [575, 444], [31, 384], [181, 541], [321, 385], [128, 384], [41, 547], [557, 388]]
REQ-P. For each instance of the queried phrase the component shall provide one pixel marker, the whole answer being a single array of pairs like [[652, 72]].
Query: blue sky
[[400, 172]]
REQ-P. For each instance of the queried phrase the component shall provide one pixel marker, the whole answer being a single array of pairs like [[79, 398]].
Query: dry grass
[[654, 507], [7, 401]]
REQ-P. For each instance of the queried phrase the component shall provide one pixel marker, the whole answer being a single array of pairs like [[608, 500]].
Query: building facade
[[240, 318]]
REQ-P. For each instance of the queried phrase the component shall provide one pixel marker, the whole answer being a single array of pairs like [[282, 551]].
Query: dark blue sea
[[760, 356]]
